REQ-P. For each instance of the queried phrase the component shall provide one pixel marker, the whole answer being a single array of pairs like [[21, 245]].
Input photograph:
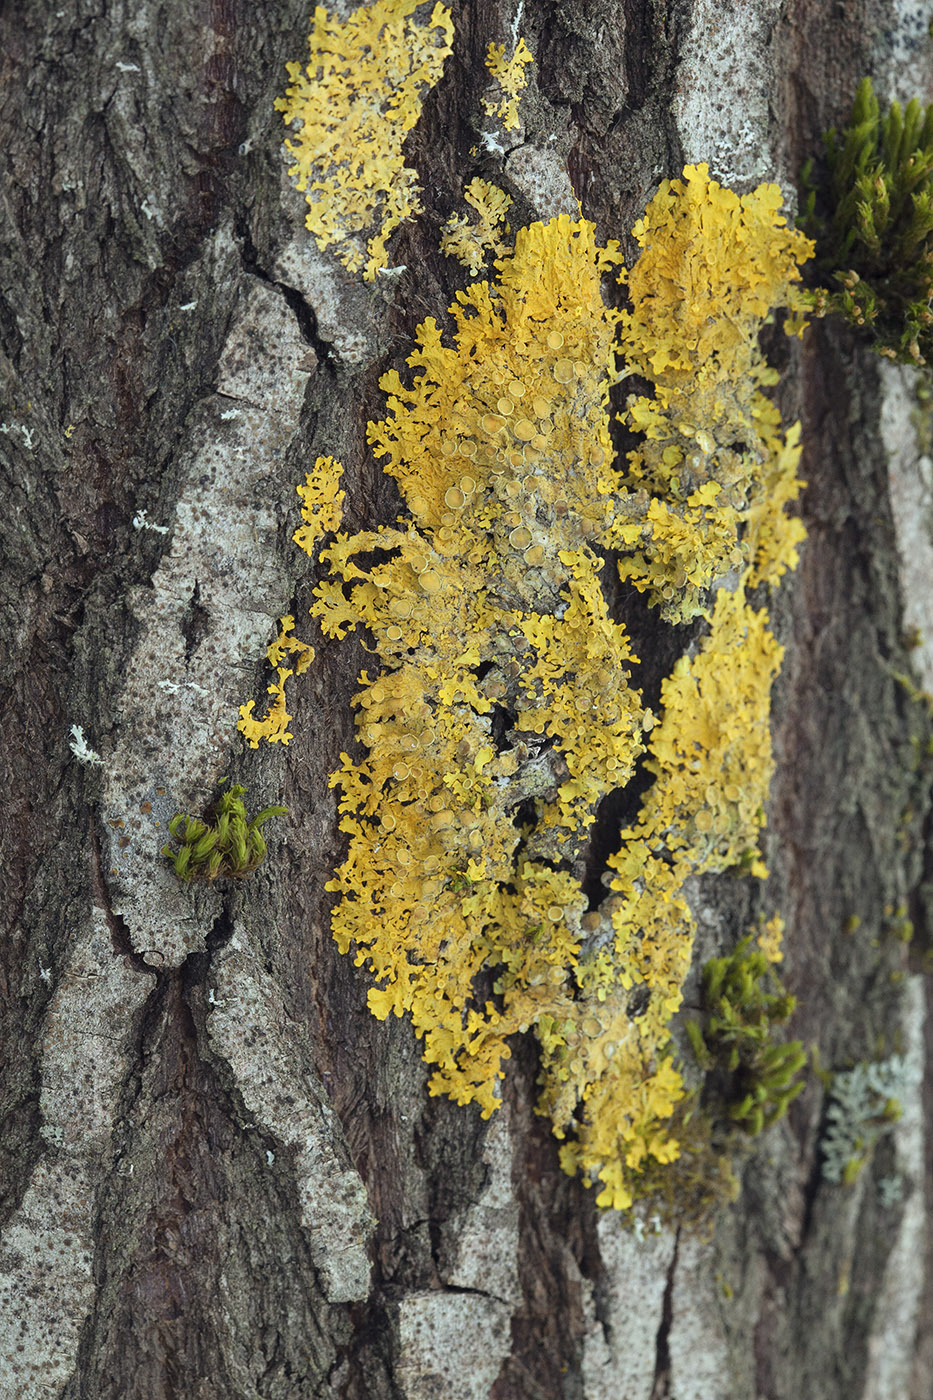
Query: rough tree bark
[[222, 1177]]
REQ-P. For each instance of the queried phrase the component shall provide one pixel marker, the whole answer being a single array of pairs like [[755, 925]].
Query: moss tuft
[[227, 845], [744, 1002], [869, 205]]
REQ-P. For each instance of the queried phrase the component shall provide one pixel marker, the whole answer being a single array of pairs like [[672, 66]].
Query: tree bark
[[222, 1177]]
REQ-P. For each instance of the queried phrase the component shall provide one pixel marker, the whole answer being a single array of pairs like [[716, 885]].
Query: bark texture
[[222, 1178]]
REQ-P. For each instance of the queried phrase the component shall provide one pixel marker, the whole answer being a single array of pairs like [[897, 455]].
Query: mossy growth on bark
[[744, 1004], [869, 205], [228, 844]]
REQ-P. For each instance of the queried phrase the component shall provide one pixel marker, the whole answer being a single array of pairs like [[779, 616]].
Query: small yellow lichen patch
[[321, 503], [273, 727], [285, 644], [510, 74], [771, 939], [357, 99], [712, 750], [471, 243]]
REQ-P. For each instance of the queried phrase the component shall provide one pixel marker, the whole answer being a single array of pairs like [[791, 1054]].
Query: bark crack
[[195, 625], [478, 1293], [661, 1386], [300, 307], [119, 930]]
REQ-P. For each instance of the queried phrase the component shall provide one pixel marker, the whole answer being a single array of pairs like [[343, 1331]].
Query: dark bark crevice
[[660, 1389]]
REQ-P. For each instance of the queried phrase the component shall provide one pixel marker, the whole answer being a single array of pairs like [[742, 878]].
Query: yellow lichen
[[500, 710], [714, 266], [357, 99], [471, 243], [771, 939], [494, 639], [321, 504], [711, 753], [512, 79], [322, 512], [273, 727]]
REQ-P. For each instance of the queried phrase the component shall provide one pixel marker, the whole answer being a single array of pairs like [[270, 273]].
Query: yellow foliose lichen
[[322, 512], [504, 685], [321, 503], [510, 75], [356, 100], [273, 727], [501, 708], [711, 752], [714, 267], [471, 242], [771, 939]]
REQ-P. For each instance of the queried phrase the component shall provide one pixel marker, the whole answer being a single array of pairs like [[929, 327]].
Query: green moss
[[688, 1192], [900, 925], [228, 845], [869, 205], [744, 1002]]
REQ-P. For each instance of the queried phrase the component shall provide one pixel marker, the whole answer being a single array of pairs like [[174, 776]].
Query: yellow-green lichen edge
[[471, 240], [510, 76], [500, 708]]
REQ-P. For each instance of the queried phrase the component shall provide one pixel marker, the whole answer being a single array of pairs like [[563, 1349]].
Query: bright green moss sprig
[[230, 845], [871, 213], [744, 1002]]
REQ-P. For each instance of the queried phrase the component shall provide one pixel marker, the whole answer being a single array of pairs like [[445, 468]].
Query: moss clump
[[690, 1191], [870, 209], [229, 844], [744, 1001]]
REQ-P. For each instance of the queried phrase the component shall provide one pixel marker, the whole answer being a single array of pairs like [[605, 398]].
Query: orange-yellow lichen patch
[[273, 727], [496, 409], [504, 686], [771, 939], [322, 512], [500, 709], [356, 100], [510, 75], [472, 241], [714, 266], [321, 503], [712, 750]]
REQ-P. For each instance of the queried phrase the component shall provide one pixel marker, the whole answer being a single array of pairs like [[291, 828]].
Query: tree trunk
[[222, 1176]]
